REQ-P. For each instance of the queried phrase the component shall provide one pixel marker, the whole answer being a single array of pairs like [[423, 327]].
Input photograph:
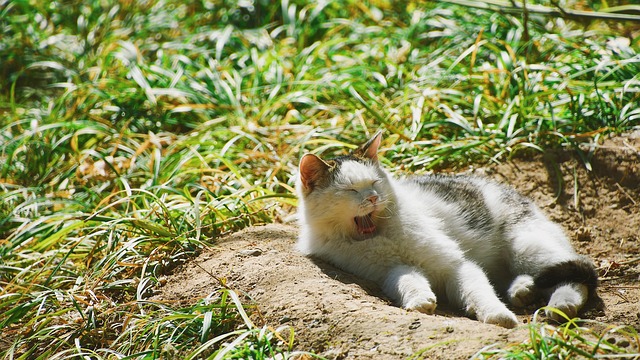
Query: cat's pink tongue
[[365, 224]]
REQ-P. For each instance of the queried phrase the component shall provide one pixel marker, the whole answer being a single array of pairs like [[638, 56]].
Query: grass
[[134, 134], [575, 339]]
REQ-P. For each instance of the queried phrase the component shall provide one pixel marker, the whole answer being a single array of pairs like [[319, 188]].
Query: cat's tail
[[580, 270]]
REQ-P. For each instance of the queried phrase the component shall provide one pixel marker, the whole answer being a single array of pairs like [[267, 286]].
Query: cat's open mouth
[[365, 224]]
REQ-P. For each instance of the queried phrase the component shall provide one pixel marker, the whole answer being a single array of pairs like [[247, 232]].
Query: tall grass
[[134, 134]]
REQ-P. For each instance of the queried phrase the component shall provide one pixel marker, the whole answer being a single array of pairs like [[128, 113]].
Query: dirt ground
[[339, 316]]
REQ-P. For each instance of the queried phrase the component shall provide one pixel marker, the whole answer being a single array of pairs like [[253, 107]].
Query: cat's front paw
[[522, 291], [425, 304], [504, 318]]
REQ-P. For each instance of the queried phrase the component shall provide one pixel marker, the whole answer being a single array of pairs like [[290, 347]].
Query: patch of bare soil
[[340, 316]]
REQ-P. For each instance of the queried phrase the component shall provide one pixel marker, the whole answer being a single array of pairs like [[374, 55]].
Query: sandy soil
[[340, 316]]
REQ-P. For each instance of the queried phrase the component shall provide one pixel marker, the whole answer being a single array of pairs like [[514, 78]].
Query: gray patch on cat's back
[[521, 207], [465, 194]]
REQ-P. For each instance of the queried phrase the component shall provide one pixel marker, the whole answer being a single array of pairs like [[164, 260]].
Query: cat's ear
[[312, 170], [370, 149]]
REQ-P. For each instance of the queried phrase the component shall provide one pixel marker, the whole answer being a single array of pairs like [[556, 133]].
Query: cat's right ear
[[369, 150], [312, 170]]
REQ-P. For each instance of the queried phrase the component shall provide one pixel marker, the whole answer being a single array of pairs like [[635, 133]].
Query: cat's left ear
[[312, 171], [370, 149]]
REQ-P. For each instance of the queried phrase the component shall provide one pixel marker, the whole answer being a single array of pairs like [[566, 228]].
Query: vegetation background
[[134, 134]]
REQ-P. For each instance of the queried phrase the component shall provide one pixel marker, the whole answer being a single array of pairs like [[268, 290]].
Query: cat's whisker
[[388, 212]]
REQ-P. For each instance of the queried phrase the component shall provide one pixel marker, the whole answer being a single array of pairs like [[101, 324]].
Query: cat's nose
[[373, 198]]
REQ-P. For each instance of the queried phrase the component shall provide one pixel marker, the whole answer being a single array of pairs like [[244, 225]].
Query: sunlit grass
[[584, 339], [133, 135]]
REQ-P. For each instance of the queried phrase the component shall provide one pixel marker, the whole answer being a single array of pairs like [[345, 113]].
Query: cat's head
[[347, 195]]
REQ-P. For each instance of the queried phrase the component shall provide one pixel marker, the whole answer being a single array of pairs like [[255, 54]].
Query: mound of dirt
[[340, 316]]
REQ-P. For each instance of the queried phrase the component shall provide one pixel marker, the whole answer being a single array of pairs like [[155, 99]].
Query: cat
[[423, 238]]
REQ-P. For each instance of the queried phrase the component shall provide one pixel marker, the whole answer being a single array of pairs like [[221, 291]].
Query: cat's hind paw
[[522, 291], [424, 304], [555, 312], [568, 299]]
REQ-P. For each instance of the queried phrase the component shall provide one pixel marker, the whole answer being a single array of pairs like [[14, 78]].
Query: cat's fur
[[423, 238]]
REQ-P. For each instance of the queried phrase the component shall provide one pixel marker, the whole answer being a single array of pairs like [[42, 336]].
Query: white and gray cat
[[424, 238]]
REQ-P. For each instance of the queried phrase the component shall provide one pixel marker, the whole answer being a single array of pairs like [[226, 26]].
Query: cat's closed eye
[[370, 184]]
